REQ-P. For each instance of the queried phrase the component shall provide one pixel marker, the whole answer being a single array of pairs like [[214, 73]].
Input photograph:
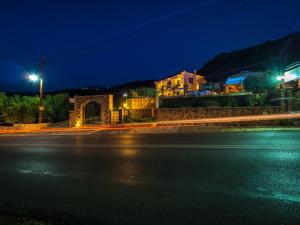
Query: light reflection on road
[[227, 171]]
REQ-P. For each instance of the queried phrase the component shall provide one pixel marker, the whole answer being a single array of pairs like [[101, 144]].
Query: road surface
[[205, 178]]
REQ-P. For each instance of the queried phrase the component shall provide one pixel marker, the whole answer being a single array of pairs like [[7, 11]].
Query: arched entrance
[[92, 113], [93, 109]]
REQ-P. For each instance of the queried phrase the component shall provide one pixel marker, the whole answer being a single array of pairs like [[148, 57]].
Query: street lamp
[[40, 77], [33, 77], [125, 95]]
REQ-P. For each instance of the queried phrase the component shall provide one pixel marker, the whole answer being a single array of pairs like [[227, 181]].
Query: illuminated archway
[[82, 104]]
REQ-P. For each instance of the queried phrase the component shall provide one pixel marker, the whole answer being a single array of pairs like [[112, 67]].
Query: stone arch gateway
[[76, 116]]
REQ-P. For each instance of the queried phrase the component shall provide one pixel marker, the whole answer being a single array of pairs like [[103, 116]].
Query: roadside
[[52, 131], [241, 123], [150, 130]]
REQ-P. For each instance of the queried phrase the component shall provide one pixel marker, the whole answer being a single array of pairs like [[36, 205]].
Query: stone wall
[[74, 118], [205, 101], [115, 117], [140, 113], [25, 127], [168, 114], [31, 126]]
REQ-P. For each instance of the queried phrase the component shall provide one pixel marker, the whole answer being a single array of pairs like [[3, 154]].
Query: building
[[292, 73], [141, 103], [213, 88], [290, 87], [236, 83], [180, 84]]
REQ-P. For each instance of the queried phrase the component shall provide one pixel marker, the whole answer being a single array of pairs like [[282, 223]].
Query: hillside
[[118, 89], [276, 54], [132, 85]]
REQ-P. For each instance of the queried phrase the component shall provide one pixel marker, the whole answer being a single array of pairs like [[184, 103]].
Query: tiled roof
[[175, 74]]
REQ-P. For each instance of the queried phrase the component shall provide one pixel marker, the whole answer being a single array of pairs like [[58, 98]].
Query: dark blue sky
[[187, 40]]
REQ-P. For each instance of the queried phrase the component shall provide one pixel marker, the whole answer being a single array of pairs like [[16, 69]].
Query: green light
[[279, 78]]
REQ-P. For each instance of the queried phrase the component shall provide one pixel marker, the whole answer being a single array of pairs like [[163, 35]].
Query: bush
[[24, 109], [20, 109], [56, 107], [258, 99]]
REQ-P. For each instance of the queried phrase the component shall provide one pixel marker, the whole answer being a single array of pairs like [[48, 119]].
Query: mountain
[[118, 89], [275, 55], [132, 85]]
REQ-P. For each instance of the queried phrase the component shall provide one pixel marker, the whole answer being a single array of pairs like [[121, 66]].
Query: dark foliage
[[132, 85], [115, 90], [24, 109]]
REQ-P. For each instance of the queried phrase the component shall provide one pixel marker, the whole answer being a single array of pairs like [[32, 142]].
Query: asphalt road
[[205, 178]]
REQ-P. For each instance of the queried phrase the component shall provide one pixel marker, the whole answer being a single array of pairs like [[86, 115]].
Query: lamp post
[[125, 103], [124, 106], [34, 78]]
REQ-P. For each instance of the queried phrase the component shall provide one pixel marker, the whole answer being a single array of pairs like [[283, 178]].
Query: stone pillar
[[73, 118], [157, 101]]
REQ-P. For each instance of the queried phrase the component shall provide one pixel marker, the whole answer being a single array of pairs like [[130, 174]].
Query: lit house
[[179, 84], [290, 87], [292, 73]]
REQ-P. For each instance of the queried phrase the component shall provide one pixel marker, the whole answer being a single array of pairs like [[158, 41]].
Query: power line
[[135, 27], [130, 42], [87, 47], [70, 52], [97, 51]]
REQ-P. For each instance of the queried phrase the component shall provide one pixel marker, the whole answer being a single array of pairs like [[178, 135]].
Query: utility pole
[[42, 70]]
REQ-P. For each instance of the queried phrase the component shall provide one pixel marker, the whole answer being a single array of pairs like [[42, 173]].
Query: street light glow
[[33, 77], [279, 78]]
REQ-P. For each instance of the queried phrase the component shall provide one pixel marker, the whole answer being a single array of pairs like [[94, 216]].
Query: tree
[[261, 83], [21, 109], [3, 102], [56, 107], [11, 112], [29, 109], [263, 87], [259, 99], [24, 109], [143, 92]]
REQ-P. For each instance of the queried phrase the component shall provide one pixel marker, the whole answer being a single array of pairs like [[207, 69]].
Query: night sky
[[129, 40]]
